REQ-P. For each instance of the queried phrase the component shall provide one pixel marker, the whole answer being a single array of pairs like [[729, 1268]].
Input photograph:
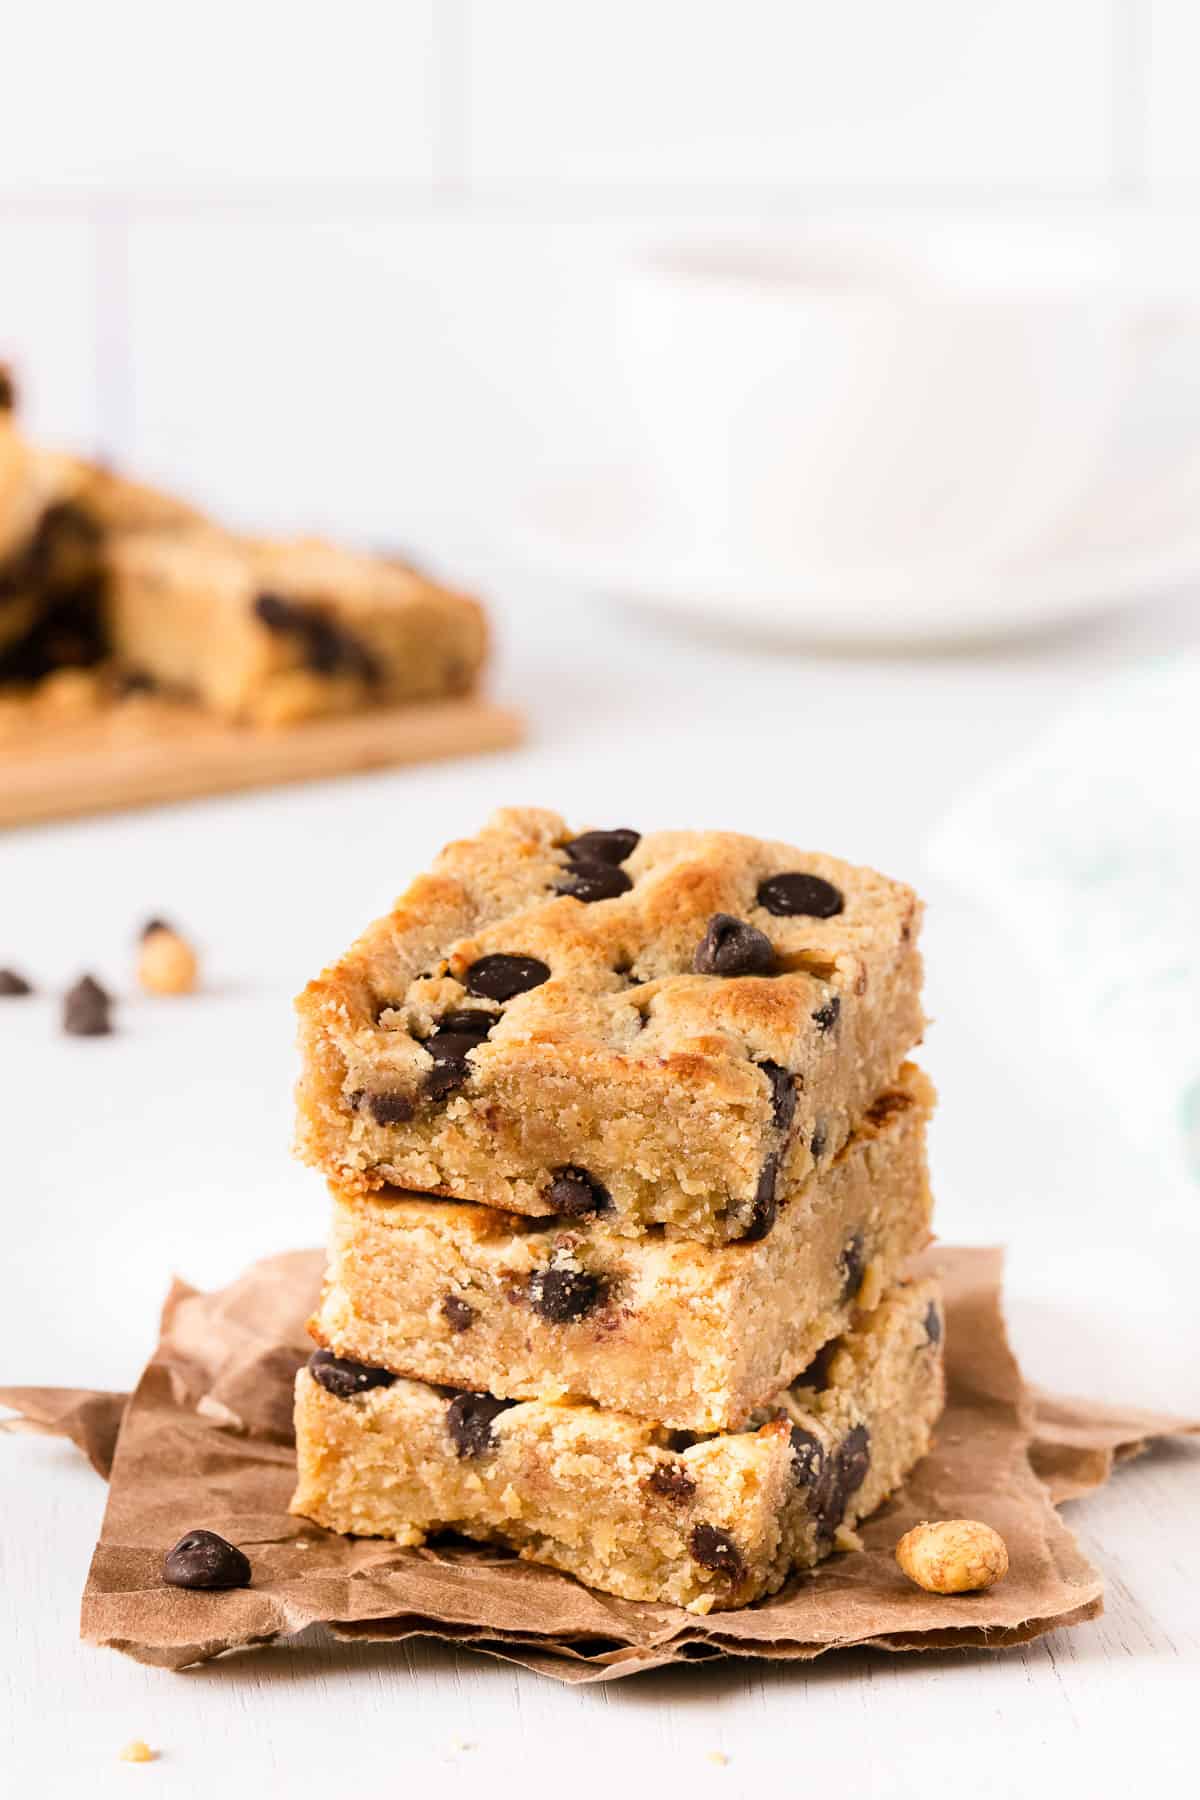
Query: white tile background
[[352, 266]]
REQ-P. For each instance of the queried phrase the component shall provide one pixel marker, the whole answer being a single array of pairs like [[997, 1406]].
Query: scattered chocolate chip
[[343, 1378], [202, 1559], [326, 646], [933, 1323], [449, 1050], [783, 1094], [153, 925], [819, 1140], [789, 896], [671, 1482], [714, 1549], [390, 1109], [501, 977], [826, 1017], [593, 881], [457, 1314], [808, 1457], [844, 1474], [563, 1295], [473, 1024], [766, 1209], [731, 947], [8, 391], [86, 1010], [576, 1193], [852, 1262], [13, 985], [603, 846], [469, 1421]]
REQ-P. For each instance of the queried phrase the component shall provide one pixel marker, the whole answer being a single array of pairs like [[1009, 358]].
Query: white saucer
[[597, 532]]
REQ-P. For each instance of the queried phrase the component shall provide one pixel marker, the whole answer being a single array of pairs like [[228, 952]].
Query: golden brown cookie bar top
[[628, 1507], [675, 1026]]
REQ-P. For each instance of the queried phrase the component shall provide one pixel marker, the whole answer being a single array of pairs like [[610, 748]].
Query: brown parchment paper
[[205, 1440]]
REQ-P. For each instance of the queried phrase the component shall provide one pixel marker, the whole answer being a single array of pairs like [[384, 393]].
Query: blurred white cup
[[842, 405]]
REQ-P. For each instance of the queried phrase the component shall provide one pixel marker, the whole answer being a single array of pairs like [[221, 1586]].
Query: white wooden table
[[166, 1148]]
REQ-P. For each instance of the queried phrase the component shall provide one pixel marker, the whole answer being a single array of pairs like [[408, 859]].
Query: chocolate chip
[[562, 1295], [12, 985], [473, 1024], [670, 1481], [576, 1193], [86, 1010], [933, 1323], [819, 1140], [501, 977], [202, 1559], [8, 391], [390, 1109], [469, 1422], [783, 1094], [603, 846], [826, 1017], [457, 1314], [153, 925], [763, 1217], [852, 1263], [343, 1378], [449, 1050], [714, 1549], [789, 896], [326, 646], [594, 881], [731, 947], [817, 1373], [844, 1474], [808, 1457]]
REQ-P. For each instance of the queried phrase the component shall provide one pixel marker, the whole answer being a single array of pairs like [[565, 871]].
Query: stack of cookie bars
[[627, 1165]]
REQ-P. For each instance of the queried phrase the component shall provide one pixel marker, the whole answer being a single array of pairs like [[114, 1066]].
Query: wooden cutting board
[[130, 756]]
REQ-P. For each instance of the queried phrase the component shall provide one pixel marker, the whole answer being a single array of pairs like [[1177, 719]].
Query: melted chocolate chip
[[933, 1323], [472, 1024], [576, 1193], [826, 1017], [798, 895], [8, 391], [501, 977], [852, 1262], [819, 1140], [714, 1549], [808, 1457], [202, 1559], [783, 1095], [817, 1373], [731, 947], [844, 1474], [390, 1109], [766, 1209], [86, 1010], [603, 846], [12, 985], [449, 1050], [594, 881], [327, 647], [343, 1378], [671, 1481], [563, 1295], [457, 1314], [469, 1421]]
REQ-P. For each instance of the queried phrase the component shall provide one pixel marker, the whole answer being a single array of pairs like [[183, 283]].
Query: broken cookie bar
[[678, 1028], [623, 1504], [692, 1335], [274, 632]]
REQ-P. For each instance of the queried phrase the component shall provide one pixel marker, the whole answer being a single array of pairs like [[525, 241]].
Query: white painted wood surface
[[166, 1148]]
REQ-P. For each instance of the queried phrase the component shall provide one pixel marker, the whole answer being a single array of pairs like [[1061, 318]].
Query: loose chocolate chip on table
[[86, 1010], [202, 1559], [808, 1457], [576, 1193], [390, 1109], [469, 1422], [457, 1314], [783, 1094], [715, 1549], [501, 977], [851, 1263], [13, 985], [670, 1482], [343, 1378], [731, 947], [933, 1323], [826, 1017], [844, 1474], [593, 881], [602, 846], [563, 1295], [765, 1210], [798, 895], [817, 1146]]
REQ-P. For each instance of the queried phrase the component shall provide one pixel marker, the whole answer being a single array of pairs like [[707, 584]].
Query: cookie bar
[[709, 1523], [692, 1335], [673, 1029], [273, 632]]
